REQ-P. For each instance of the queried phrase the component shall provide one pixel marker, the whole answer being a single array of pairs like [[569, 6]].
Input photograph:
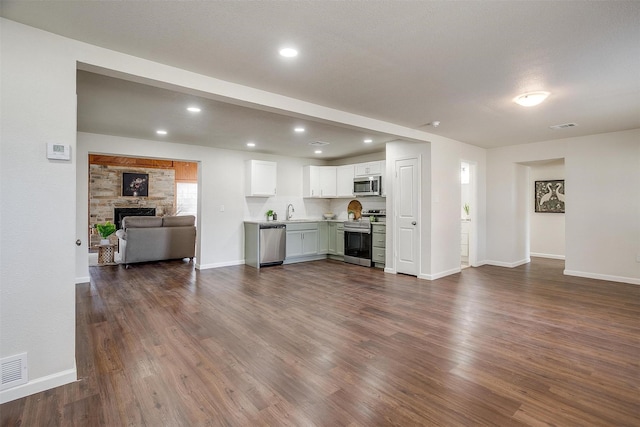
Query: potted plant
[[466, 210], [105, 230], [270, 215]]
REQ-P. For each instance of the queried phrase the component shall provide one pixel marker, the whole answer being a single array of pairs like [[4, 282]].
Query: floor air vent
[[563, 126], [14, 371]]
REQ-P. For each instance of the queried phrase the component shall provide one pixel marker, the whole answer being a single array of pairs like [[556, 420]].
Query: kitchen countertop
[[297, 221], [293, 221]]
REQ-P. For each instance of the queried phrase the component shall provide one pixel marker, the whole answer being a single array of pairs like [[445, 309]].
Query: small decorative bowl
[[328, 215]]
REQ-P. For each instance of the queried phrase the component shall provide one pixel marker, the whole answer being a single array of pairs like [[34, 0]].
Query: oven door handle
[[361, 231]]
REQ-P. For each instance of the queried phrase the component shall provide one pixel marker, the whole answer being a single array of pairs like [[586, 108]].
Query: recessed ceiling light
[[194, 109], [251, 144], [288, 52], [368, 141], [318, 151], [298, 129], [530, 99], [161, 132]]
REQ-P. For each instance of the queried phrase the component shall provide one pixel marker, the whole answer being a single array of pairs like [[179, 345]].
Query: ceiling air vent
[[563, 126], [318, 143], [14, 371]]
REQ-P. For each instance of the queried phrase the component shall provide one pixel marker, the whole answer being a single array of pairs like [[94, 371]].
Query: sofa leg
[[126, 266]]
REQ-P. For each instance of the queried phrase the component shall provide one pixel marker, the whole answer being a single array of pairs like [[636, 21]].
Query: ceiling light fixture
[[194, 109], [161, 132], [298, 129], [318, 151], [288, 52], [531, 98], [435, 123], [251, 144], [368, 141]]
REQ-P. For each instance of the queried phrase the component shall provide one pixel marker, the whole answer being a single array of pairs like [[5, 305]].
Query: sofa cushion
[[141, 221], [179, 221]]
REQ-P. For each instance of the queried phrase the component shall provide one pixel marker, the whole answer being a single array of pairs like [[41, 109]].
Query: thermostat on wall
[[58, 151]]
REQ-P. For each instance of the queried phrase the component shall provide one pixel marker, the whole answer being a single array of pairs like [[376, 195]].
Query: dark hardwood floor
[[327, 343]]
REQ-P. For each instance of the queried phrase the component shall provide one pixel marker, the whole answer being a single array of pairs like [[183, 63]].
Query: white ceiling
[[407, 63]]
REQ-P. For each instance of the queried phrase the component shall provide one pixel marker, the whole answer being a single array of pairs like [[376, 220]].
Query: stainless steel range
[[357, 242]]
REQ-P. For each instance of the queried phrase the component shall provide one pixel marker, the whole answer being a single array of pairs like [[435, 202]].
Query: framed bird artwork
[[549, 196]]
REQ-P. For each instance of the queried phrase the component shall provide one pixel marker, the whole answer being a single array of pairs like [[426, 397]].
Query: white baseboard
[[508, 264], [40, 384], [550, 256], [85, 279], [219, 264], [630, 280], [390, 270], [439, 274]]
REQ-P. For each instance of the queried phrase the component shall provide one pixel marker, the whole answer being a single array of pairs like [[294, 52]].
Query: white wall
[[37, 249], [399, 150], [603, 206], [547, 238], [446, 156], [507, 199], [602, 220], [37, 244], [440, 203], [221, 233]]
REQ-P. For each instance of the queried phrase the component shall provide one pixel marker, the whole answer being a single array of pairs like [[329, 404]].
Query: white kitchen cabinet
[[344, 181], [319, 181], [464, 239], [369, 168], [260, 178], [328, 181], [302, 240]]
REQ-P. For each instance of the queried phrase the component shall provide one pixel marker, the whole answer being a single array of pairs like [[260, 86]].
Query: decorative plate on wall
[[355, 207]]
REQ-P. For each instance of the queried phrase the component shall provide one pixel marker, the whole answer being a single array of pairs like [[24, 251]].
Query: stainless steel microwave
[[367, 186]]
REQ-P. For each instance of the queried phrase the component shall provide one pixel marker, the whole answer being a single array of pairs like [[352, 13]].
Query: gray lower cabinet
[[304, 242], [340, 240], [379, 239], [336, 239]]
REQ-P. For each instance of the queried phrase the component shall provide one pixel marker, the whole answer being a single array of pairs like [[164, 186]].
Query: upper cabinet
[[344, 181], [260, 178], [319, 181], [337, 181], [369, 168]]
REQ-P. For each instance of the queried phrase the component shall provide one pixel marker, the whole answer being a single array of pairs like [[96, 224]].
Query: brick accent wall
[[105, 191]]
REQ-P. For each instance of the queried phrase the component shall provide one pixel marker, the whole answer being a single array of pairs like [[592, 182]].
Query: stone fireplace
[[119, 213]]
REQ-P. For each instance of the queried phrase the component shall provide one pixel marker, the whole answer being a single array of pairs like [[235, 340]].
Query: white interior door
[[407, 215]]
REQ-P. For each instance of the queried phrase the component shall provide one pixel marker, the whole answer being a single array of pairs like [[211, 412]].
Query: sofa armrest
[[121, 234]]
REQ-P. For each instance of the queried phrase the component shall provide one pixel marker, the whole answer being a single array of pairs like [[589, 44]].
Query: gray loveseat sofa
[[151, 238]]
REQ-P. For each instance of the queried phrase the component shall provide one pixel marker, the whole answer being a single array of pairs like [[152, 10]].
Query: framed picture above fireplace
[[135, 184]]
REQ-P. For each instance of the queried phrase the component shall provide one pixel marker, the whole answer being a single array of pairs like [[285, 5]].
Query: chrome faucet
[[290, 214]]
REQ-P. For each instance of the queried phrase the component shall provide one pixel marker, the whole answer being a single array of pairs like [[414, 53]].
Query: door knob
[[413, 223], [78, 242]]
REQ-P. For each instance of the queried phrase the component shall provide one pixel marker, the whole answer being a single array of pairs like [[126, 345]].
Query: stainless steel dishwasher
[[272, 244]]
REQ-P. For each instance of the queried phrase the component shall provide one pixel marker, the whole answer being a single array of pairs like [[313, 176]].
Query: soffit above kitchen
[[408, 63], [113, 106]]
